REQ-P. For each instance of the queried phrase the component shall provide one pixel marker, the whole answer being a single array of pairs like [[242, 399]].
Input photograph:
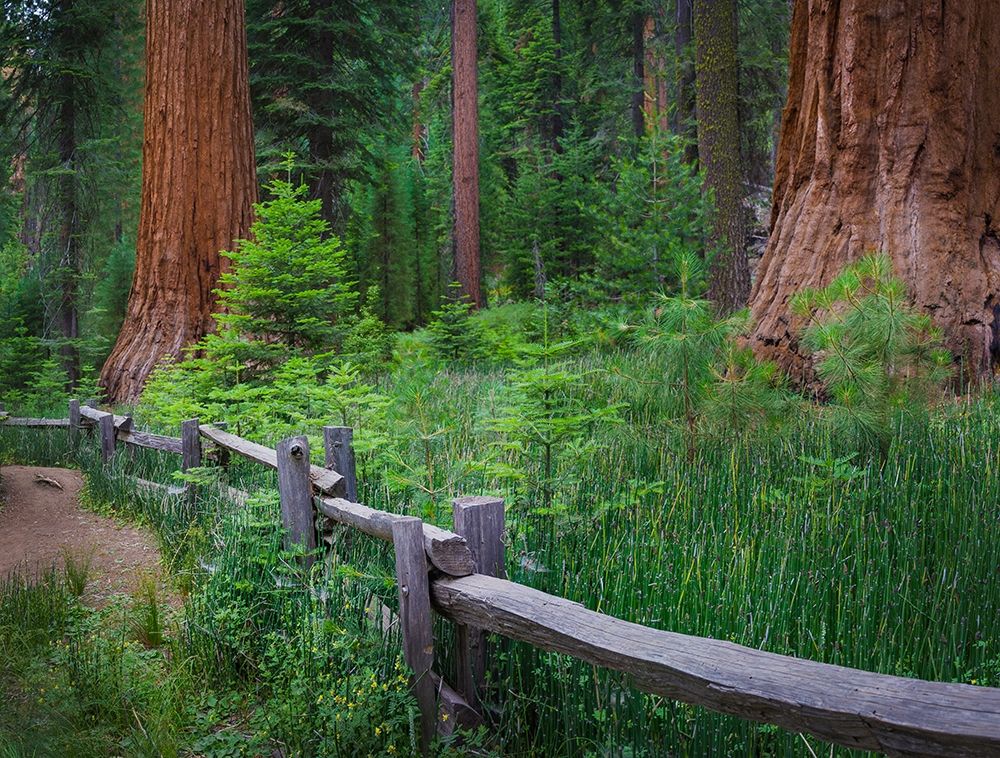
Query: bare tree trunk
[[465, 132], [198, 182], [650, 74], [70, 261], [558, 118], [638, 75], [890, 142], [683, 36], [417, 132], [326, 184], [717, 73]]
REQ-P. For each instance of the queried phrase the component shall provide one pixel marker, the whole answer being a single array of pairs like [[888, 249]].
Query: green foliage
[[657, 213], [301, 394], [719, 383], [323, 78], [548, 422], [288, 288], [879, 358], [454, 334]]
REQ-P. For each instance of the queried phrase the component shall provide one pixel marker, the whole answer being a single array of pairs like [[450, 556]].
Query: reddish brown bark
[[417, 137], [198, 182], [891, 142], [465, 131], [654, 85], [649, 74]]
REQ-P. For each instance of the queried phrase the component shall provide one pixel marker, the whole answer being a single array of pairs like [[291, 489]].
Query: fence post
[[222, 454], [295, 490], [90, 425], [190, 454], [481, 521], [338, 442], [74, 424], [107, 429], [415, 619]]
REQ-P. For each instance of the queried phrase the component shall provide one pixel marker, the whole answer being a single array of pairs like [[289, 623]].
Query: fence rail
[[460, 575]]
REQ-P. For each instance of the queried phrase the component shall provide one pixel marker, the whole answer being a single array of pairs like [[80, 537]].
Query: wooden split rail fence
[[461, 576]]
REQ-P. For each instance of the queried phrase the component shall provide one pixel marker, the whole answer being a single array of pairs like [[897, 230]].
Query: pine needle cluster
[[717, 379], [876, 355]]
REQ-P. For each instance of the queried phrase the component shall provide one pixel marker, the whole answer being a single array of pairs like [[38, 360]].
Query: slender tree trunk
[[890, 142], [638, 75], [683, 37], [71, 262], [325, 183], [650, 76], [558, 119], [198, 182], [465, 133], [662, 102], [717, 76], [417, 132]]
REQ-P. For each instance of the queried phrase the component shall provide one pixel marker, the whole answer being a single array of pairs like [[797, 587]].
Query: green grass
[[788, 542], [767, 541]]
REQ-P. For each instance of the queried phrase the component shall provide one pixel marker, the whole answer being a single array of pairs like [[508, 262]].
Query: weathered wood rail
[[460, 575]]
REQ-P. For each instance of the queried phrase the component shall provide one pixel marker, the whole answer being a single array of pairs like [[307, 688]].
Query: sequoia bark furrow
[[890, 141], [198, 182]]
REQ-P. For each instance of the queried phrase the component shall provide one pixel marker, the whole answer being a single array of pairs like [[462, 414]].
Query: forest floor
[[42, 524]]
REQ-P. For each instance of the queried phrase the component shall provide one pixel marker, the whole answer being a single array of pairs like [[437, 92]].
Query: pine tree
[[288, 288], [323, 79]]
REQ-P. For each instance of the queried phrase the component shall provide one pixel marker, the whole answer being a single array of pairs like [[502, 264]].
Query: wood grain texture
[[854, 708], [36, 423], [151, 441], [889, 142], [481, 521], [106, 427], [446, 551], [338, 442], [190, 445], [91, 414], [465, 160], [190, 454], [325, 481], [199, 182], [415, 619], [74, 424], [295, 490]]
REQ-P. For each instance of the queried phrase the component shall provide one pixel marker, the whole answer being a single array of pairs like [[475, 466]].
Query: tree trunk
[[465, 132], [71, 259], [638, 74], [650, 75], [198, 182], [683, 36], [717, 76], [417, 129], [326, 184], [558, 118], [890, 142]]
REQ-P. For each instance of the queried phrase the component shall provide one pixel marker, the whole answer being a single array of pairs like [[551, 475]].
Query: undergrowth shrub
[[719, 385], [879, 359], [454, 334]]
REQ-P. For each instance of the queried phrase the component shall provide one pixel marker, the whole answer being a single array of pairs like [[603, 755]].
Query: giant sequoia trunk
[[465, 132], [891, 142], [198, 182]]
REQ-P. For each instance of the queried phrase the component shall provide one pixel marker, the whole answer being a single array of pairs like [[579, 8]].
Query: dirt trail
[[40, 521]]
